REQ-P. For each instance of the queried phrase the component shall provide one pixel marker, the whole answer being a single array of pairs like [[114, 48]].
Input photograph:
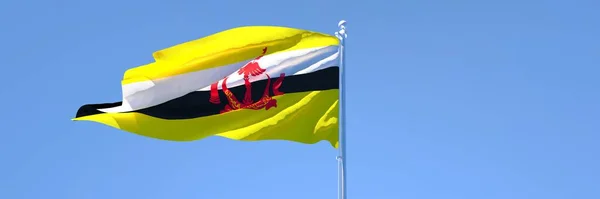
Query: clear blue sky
[[484, 99]]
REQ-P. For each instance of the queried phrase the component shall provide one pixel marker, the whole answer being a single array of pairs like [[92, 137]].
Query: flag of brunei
[[248, 83]]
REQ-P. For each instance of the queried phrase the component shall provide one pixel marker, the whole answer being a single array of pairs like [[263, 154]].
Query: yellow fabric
[[306, 117], [226, 47]]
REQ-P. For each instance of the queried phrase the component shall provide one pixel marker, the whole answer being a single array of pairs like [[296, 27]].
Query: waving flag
[[248, 83]]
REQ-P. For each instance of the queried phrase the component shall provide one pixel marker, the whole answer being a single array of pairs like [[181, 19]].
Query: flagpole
[[341, 34]]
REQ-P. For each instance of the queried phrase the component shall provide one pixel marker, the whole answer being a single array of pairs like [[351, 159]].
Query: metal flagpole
[[341, 34]]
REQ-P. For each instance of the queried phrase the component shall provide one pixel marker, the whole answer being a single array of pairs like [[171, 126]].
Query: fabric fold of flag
[[248, 83]]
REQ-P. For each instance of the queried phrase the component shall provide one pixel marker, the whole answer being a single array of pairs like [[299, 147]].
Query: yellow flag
[[248, 83]]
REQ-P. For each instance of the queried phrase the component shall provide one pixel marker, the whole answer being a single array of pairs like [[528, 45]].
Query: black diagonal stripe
[[196, 104]]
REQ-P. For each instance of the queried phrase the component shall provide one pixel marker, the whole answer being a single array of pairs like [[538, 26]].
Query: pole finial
[[341, 34], [342, 23]]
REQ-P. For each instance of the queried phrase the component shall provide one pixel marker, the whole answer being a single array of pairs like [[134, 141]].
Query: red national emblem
[[252, 68]]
